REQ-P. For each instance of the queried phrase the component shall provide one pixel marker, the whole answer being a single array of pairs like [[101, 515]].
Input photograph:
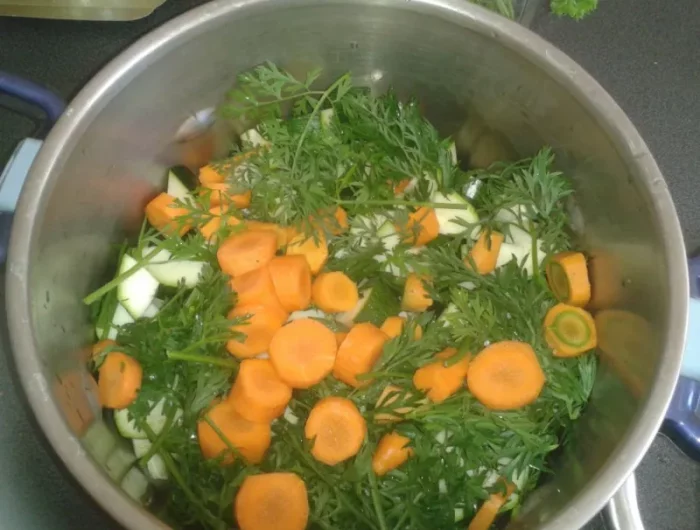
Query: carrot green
[[343, 146]]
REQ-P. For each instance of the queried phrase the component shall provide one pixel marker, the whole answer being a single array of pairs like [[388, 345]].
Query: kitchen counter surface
[[644, 53]]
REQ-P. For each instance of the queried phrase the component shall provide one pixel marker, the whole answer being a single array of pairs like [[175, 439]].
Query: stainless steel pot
[[107, 156]]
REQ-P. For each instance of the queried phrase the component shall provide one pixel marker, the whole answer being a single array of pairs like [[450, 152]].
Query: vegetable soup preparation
[[344, 323]]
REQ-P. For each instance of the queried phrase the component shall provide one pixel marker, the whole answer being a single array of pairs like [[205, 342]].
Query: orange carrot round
[[291, 278], [484, 253], [120, 379], [334, 292], [569, 330], [265, 320], [246, 251], [393, 327], [440, 381], [280, 231], [211, 227], [415, 296], [250, 439], [314, 249], [163, 214], [220, 194], [336, 428], [209, 175], [486, 515], [506, 375], [258, 393], [334, 221], [422, 227], [391, 452], [100, 346], [358, 353], [567, 274], [303, 352], [255, 287], [272, 501]]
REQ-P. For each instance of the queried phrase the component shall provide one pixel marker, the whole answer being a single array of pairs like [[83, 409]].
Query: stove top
[[654, 79]]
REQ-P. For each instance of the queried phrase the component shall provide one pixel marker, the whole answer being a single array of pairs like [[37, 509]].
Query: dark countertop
[[646, 54]]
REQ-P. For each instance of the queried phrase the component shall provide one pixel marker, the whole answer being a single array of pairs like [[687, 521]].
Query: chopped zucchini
[[252, 138], [137, 291], [381, 302], [136, 485], [171, 272], [388, 236], [153, 309], [290, 416], [307, 313], [348, 317], [453, 153], [365, 228], [180, 181], [121, 317], [518, 224], [155, 465], [520, 252], [156, 420], [326, 119], [450, 220]]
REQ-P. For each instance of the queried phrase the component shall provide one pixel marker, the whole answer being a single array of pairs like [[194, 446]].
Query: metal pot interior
[[495, 86]]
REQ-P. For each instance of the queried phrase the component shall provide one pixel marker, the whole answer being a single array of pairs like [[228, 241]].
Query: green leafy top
[[576, 9], [353, 159]]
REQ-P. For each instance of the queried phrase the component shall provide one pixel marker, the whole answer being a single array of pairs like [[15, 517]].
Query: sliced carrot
[[484, 253], [393, 327], [336, 428], [415, 295], [400, 186], [569, 330], [246, 251], [506, 375], [334, 292], [358, 353], [280, 231], [486, 515], [120, 379], [250, 439], [209, 175], [258, 393], [255, 287], [163, 214], [390, 395], [303, 352], [291, 278], [221, 194], [391, 452], [422, 227], [333, 221], [440, 381], [340, 337], [100, 346], [567, 274], [272, 501], [265, 320], [315, 250], [211, 227]]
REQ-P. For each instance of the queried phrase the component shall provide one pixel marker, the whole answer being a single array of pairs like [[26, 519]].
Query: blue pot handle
[[682, 422], [34, 94], [11, 182]]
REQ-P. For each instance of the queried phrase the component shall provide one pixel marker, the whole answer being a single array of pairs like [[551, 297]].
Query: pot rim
[[150, 48]]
